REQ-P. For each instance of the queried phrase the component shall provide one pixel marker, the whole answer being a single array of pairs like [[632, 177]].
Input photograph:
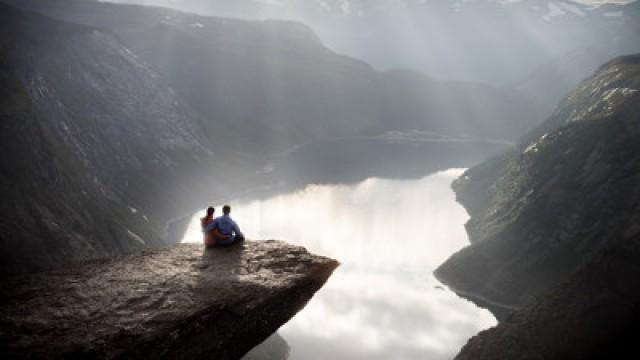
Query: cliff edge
[[180, 302]]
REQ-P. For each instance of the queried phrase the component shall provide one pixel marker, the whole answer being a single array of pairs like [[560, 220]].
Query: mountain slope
[[542, 211], [97, 153]]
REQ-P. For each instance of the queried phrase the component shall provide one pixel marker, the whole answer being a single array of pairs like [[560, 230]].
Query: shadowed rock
[[594, 315], [274, 348], [178, 302], [555, 230], [543, 210]]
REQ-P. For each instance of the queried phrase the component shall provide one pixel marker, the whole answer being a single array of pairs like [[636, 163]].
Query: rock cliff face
[[543, 210], [181, 302], [97, 152], [554, 229]]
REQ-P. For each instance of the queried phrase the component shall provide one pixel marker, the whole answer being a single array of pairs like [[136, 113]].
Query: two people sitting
[[221, 231]]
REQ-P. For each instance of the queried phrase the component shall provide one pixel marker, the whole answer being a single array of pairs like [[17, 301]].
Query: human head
[[226, 209], [210, 211]]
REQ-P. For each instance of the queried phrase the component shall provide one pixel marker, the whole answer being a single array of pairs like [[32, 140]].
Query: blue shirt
[[225, 225]]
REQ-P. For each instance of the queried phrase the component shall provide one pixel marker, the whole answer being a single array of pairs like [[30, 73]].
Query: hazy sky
[[347, 3], [471, 40]]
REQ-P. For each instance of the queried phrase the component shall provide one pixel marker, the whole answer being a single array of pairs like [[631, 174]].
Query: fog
[[496, 42], [389, 235]]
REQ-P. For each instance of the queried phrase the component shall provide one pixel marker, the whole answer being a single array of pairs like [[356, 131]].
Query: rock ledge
[[178, 302]]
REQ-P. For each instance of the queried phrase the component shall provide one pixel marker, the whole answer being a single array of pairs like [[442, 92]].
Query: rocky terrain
[[559, 212], [181, 302], [97, 153]]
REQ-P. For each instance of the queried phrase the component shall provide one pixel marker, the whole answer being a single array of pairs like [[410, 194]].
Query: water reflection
[[389, 235]]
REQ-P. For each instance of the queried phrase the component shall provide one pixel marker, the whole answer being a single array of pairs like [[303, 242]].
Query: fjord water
[[383, 301]]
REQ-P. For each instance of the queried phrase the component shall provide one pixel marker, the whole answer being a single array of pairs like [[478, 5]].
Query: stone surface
[[181, 302]]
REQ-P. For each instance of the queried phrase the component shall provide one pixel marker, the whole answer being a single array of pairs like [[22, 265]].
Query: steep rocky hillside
[[97, 152], [543, 210]]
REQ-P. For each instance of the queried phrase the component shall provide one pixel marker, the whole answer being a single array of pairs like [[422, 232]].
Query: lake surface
[[383, 301]]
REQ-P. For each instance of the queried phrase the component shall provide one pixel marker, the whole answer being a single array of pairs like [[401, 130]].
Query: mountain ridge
[[542, 210]]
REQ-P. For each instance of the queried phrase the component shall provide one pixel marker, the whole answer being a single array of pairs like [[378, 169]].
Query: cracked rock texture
[[181, 302]]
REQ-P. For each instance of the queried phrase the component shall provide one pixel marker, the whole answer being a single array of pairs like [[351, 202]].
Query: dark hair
[[226, 209], [210, 210]]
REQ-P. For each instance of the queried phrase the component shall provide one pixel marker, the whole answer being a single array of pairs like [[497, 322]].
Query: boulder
[[180, 302]]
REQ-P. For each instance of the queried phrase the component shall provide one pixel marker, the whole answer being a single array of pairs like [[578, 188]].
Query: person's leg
[[209, 240], [225, 241], [236, 239]]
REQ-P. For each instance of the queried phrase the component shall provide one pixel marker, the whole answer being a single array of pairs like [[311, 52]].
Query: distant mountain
[[551, 82], [120, 118], [496, 42], [278, 86], [567, 194]]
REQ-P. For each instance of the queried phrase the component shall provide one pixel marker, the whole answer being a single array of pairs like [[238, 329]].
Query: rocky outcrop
[[181, 302], [544, 209], [560, 211]]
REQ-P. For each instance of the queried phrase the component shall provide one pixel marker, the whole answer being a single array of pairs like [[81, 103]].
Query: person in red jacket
[[209, 239]]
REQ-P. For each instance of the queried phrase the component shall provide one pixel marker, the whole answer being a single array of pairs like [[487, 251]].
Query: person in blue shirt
[[224, 229]]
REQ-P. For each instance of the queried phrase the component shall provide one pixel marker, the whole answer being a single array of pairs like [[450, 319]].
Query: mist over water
[[389, 235]]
